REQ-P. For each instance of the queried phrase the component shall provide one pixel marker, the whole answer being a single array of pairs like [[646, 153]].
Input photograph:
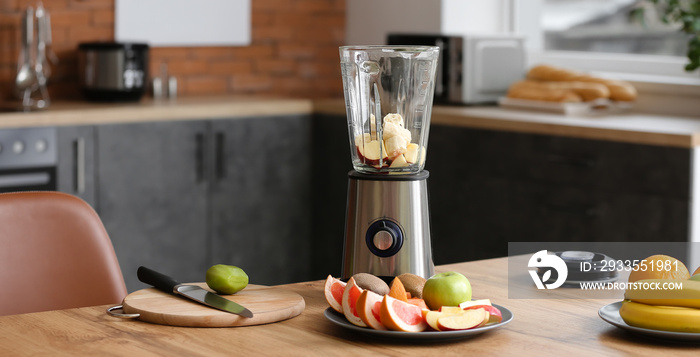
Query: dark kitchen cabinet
[[489, 187], [260, 197], [181, 196], [153, 197], [75, 173], [331, 164]]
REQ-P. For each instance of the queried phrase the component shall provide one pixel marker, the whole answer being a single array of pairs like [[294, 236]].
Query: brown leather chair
[[54, 254]]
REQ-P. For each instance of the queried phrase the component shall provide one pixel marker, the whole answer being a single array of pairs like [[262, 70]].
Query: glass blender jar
[[389, 97]]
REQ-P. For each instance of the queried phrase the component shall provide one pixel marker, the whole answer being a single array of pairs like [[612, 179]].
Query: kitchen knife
[[169, 285]]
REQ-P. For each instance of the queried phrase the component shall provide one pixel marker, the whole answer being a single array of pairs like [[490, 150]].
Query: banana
[[666, 318], [655, 292]]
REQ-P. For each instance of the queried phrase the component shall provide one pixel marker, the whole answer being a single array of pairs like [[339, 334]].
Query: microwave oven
[[472, 69]]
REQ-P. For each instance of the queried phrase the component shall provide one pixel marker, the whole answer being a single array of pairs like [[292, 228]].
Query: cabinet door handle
[[581, 162], [79, 149], [219, 141], [199, 157], [591, 210]]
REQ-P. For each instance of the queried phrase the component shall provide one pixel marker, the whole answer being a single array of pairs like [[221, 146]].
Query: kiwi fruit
[[413, 284], [372, 283]]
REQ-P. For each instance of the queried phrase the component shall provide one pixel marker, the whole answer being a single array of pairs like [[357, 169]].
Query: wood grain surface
[[268, 305], [541, 327]]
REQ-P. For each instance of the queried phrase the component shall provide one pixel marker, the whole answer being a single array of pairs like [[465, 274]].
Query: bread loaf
[[619, 90], [532, 90]]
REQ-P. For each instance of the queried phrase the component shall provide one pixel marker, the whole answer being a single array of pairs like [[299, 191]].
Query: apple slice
[[466, 320], [467, 304], [350, 295], [399, 161], [495, 315], [431, 317], [412, 150], [371, 152], [451, 309]]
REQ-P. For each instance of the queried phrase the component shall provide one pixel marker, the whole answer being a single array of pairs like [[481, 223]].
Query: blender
[[388, 97]]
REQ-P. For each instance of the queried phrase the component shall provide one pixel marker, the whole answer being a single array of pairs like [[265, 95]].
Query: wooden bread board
[[268, 304]]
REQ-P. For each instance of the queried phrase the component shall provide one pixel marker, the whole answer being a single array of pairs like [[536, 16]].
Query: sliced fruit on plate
[[397, 291], [334, 289], [467, 304], [369, 307], [418, 302], [401, 316], [431, 317], [350, 295], [495, 315], [465, 320]]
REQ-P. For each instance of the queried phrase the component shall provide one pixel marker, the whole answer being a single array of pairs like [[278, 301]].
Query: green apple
[[226, 279], [695, 277], [446, 289]]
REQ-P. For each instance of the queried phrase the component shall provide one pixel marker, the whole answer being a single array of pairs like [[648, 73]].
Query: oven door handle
[[25, 179], [80, 165]]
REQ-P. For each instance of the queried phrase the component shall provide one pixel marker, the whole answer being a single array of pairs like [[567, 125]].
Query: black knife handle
[[158, 280]]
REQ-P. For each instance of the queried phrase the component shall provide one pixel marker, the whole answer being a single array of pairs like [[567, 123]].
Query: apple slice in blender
[[371, 152], [412, 150], [399, 161]]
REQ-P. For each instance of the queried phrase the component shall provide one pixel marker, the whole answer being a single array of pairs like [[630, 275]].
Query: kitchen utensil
[[388, 97], [26, 81], [268, 304], [340, 320], [193, 292], [113, 71], [40, 67], [611, 314]]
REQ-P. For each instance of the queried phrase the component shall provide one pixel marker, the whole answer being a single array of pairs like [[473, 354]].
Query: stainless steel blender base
[[387, 227]]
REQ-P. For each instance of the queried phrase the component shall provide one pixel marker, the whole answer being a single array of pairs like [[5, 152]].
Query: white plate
[[340, 320], [611, 314]]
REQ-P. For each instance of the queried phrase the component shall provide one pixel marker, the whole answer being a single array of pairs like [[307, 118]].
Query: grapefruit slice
[[401, 316], [350, 295], [368, 309], [334, 293], [397, 290]]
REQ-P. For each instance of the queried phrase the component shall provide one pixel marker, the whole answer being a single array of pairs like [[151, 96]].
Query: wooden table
[[540, 328]]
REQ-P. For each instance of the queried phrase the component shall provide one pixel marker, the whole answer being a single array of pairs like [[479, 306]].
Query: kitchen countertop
[[631, 127], [540, 327]]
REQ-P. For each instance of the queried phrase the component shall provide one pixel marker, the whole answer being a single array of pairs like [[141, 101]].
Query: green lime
[[226, 279]]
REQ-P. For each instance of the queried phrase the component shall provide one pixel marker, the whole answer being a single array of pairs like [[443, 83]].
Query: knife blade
[[169, 285]]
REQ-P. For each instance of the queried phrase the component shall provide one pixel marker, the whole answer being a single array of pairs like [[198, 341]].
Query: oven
[[28, 159]]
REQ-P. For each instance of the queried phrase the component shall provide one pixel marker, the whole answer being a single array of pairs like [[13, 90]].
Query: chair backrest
[[54, 254]]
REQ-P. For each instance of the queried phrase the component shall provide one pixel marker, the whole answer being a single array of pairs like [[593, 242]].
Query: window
[[601, 35]]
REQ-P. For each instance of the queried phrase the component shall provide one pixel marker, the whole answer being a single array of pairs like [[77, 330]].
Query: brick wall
[[294, 49]]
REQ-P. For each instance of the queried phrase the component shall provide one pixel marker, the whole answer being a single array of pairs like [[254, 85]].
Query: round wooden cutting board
[[268, 304]]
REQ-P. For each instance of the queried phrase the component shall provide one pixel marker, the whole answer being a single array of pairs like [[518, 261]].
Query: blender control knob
[[384, 238]]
